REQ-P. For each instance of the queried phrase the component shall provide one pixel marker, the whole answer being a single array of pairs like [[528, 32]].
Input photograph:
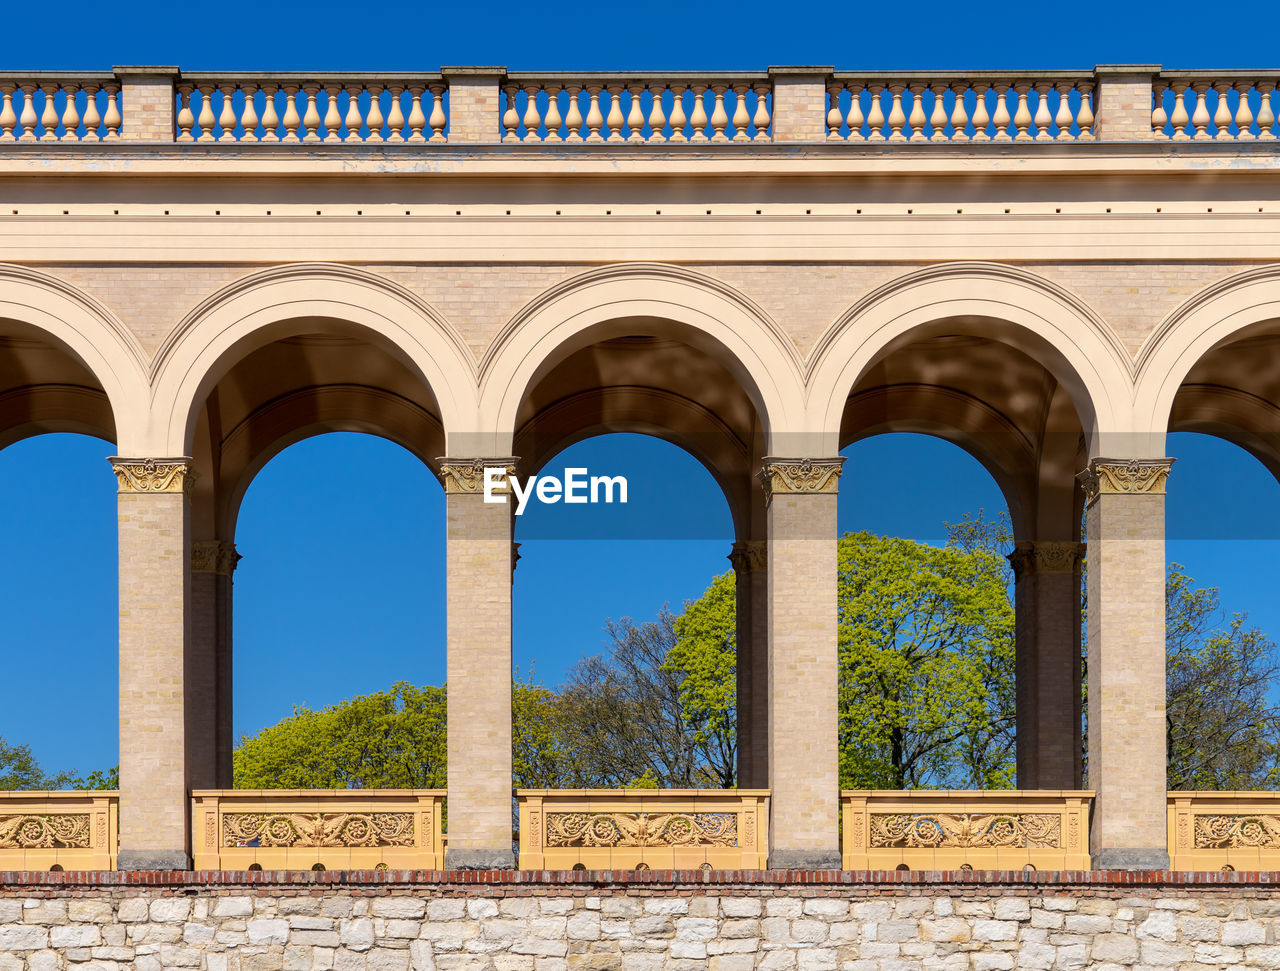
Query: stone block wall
[[549, 922]]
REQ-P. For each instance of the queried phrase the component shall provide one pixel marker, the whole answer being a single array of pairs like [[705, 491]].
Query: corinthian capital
[[466, 476], [1129, 477], [800, 476], [153, 475], [750, 556], [212, 556], [1046, 557]]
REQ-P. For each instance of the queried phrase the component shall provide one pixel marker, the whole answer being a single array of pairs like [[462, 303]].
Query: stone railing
[[630, 829], [1224, 830], [59, 830], [44, 106], [971, 830], [1213, 105], [317, 829], [894, 107], [627, 108]]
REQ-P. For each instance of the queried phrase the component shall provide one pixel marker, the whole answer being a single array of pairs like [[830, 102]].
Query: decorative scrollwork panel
[[41, 831], [1255, 831], [641, 829], [317, 829], [932, 830]]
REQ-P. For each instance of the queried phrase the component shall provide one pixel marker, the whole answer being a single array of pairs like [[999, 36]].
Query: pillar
[[750, 566], [1047, 597], [475, 107], [1123, 102], [155, 580], [209, 719], [147, 103], [800, 103], [803, 651], [479, 560], [1124, 515]]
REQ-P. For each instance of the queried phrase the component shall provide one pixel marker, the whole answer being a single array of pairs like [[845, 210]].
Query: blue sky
[[341, 591]]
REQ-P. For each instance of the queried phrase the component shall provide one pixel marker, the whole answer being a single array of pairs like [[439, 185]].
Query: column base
[[804, 859], [1131, 858], [153, 860], [498, 858]]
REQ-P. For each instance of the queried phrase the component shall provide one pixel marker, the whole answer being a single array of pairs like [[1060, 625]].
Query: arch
[[1036, 316], [680, 303], [285, 301], [91, 334], [1214, 315]]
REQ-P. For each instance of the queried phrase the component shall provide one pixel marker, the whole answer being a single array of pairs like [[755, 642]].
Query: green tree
[[926, 665], [20, 770]]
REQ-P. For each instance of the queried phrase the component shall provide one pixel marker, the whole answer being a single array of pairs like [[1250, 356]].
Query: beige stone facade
[[1050, 271]]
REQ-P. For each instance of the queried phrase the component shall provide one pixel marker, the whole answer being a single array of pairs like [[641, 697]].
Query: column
[[803, 649], [1047, 596], [209, 721], [1124, 514], [147, 103], [800, 102], [750, 561], [479, 554], [155, 580]]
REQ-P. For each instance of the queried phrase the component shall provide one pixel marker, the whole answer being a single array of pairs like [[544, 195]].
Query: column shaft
[[750, 562], [1126, 662], [210, 716]]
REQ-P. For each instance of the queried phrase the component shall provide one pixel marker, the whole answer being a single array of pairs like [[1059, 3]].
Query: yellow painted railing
[[66, 830], [658, 829], [947, 830], [305, 829], [1224, 830]]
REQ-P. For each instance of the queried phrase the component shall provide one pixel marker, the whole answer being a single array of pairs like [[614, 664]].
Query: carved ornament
[[800, 476], [466, 476], [1046, 557], [1229, 832], [45, 831], [317, 829], [212, 556], [1026, 830], [153, 475], [642, 829], [1132, 477], [750, 556]]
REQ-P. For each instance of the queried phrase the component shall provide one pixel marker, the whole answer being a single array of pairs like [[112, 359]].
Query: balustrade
[[1193, 106], [311, 109], [641, 829], [1224, 830], [971, 830], [892, 108], [59, 830], [709, 108], [59, 108], [328, 829]]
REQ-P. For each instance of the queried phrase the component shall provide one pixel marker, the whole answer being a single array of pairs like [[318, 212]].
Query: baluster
[[917, 117], [835, 117], [332, 116], [249, 117], [635, 116], [761, 118], [374, 118], [186, 120], [1084, 116], [1063, 118], [8, 119], [270, 119], [1266, 118], [741, 117], [615, 118], [511, 117], [291, 118], [938, 117], [719, 117], [574, 120], [112, 119], [395, 117], [353, 121], [657, 117], [1001, 118], [1244, 114], [1180, 119], [896, 116], [855, 118], [438, 120], [1222, 115], [981, 117], [311, 114], [1201, 118], [1159, 117], [70, 114], [1022, 117], [92, 117], [678, 119], [417, 119], [1043, 117], [699, 118], [594, 118], [207, 118], [959, 114], [553, 120], [29, 117], [49, 117], [532, 117], [875, 118], [227, 118]]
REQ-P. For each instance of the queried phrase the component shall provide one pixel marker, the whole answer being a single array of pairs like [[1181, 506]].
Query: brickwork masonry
[[649, 921]]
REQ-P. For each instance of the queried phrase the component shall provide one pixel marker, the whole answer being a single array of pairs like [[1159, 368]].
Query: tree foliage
[[19, 770]]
